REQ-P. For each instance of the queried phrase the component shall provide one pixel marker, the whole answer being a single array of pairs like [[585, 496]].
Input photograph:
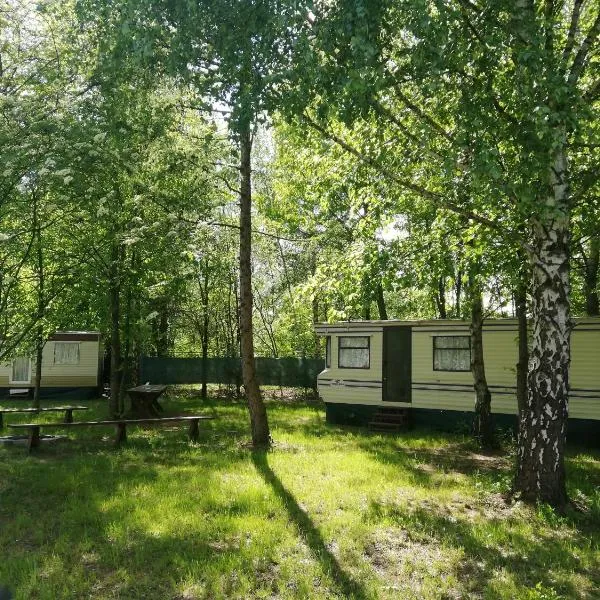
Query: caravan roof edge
[[580, 323]]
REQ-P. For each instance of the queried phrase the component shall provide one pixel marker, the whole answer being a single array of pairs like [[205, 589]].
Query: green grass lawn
[[330, 512]]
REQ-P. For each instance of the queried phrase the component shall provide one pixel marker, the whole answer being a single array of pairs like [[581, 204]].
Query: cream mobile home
[[71, 365], [422, 368]]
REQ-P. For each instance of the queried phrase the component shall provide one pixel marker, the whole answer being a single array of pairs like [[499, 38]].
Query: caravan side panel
[[84, 374], [353, 386], [58, 378], [584, 397], [453, 390]]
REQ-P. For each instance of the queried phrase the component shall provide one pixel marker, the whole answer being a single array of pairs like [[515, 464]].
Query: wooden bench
[[119, 424], [68, 410]]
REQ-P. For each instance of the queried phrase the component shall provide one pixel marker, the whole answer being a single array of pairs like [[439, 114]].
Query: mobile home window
[[354, 352], [66, 353], [20, 371], [328, 352], [452, 353]]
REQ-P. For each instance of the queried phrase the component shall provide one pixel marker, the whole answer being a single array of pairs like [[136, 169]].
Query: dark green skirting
[[55, 393], [349, 414], [585, 432]]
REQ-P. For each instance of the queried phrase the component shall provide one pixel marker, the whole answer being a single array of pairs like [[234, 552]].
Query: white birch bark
[[540, 472]]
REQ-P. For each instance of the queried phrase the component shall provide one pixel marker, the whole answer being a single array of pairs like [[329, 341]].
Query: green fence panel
[[284, 372]]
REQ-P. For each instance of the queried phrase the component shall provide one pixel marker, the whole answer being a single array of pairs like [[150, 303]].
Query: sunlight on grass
[[328, 513]]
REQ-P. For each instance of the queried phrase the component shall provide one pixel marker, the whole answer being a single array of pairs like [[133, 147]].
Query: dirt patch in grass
[[489, 506], [413, 567], [462, 460]]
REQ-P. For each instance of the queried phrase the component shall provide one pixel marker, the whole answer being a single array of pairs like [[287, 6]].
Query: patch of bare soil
[[415, 564], [462, 460], [488, 507], [413, 567], [275, 446]]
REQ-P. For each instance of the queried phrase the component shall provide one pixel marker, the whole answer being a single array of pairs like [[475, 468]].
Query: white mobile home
[[424, 368], [71, 365]]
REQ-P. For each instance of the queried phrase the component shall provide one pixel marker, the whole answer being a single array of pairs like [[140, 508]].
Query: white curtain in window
[[353, 352], [66, 353], [20, 369], [452, 353]]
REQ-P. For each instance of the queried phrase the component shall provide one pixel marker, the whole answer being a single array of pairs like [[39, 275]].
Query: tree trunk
[[315, 318], [590, 279], [204, 337], [440, 298], [367, 310], [115, 333], [238, 333], [381, 302], [458, 292], [540, 475], [162, 327], [258, 414], [523, 360], [128, 363], [41, 304], [39, 353], [483, 428]]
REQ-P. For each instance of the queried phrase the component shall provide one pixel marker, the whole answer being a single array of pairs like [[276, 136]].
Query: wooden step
[[390, 420], [385, 424]]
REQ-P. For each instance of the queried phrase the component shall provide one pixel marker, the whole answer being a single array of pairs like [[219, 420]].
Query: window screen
[[328, 352], [353, 352], [452, 353], [66, 353]]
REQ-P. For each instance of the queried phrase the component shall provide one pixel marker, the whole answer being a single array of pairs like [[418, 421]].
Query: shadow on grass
[[67, 502], [526, 558], [348, 587]]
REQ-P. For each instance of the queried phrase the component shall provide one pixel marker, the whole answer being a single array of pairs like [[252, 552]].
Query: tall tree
[[232, 53]]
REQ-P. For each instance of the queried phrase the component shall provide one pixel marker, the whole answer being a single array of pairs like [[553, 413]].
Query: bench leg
[[68, 416], [194, 431], [120, 433], [34, 438], [1, 421]]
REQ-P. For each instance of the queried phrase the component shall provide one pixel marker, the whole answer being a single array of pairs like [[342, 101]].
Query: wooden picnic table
[[144, 400], [68, 410]]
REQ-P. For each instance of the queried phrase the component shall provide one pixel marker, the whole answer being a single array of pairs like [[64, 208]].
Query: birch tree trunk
[[483, 428], [540, 475], [258, 415]]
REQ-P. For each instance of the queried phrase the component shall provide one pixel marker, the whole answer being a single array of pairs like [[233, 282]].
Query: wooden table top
[[148, 388]]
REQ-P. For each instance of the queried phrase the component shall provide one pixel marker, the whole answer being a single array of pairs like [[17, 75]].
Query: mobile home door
[[397, 364]]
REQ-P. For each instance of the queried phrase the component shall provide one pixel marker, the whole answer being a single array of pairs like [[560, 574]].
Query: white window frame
[[67, 364], [10, 378]]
